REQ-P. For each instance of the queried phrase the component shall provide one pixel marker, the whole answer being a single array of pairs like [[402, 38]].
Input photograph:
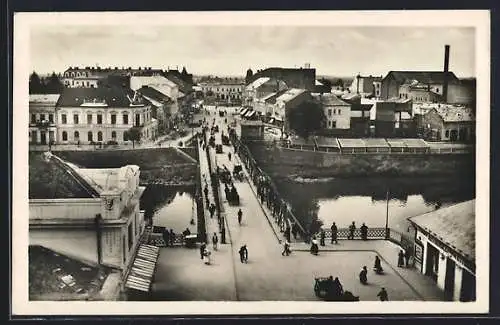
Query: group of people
[[169, 237], [377, 268], [363, 231], [404, 256]]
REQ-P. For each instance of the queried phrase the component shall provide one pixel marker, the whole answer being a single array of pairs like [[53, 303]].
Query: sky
[[231, 50]]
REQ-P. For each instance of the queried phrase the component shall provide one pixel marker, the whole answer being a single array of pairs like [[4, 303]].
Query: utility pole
[[387, 215]]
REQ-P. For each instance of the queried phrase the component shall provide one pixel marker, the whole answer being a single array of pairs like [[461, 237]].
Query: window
[[99, 136], [76, 136], [339, 111], [334, 124], [63, 119], [90, 137], [437, 90], [89, 118], [113, 118], [329, 124], [51, 118], [33, 118], [137, 119], [113, 135], [125, 137], [330, 112], [125, 119], [42, 117], [75, 119], [130, 236], [65, 136], [447, 134], [99, 118]]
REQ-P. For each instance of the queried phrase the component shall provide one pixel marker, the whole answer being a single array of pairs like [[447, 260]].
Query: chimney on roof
[[445, 76]]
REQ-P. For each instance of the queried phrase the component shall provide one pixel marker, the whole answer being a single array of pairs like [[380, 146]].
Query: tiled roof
[[48, 99], [455, 114], [52, 178], [154, 94], [454, 226], [290, 94], [426, 77], [112, 96], [258, 82], [330, 100]]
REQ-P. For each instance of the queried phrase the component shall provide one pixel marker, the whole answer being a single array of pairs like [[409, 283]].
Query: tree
[[249, 75], [133, 134], [35, 84], [306, 118], [54, 84], [339, 83]]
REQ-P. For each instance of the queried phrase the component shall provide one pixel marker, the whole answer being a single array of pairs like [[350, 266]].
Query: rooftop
[[455, 114], [257, 83], [329, 100], [154, 94], [454, 226], [108, 179], [290, 94], [102, 96], [426, 77], [52, 178], [49, 99]]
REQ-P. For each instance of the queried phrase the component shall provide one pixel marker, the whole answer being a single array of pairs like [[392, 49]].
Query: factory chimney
[[445, 76]]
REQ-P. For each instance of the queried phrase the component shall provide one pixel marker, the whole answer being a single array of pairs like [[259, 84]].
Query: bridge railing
[[343, 233]]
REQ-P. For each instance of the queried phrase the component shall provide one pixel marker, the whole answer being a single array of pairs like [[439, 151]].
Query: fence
[[372, 233], [267, 192]]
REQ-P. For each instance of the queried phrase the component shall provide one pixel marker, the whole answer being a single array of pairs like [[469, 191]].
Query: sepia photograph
[[251, 162]]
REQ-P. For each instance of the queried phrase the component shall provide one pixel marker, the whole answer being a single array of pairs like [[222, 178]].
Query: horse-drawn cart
[[325, 289]]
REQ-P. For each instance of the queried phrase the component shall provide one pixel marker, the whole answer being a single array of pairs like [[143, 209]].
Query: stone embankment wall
[[283, 161]]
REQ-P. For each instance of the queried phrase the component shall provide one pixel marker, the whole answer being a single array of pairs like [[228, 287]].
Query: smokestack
[[445, 77]]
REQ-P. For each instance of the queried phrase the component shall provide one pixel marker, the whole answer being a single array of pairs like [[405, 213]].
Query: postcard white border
[[24, 21]]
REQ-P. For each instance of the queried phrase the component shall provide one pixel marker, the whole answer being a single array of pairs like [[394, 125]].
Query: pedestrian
[[171, 237], [363, 275], [240, 216], [211, 209], [364, 232], [334, 233], [322, 237], [205, 190], [314, 246], [166, 236], [407, 257], [207, 257], [215, 241], [207, 201], [229, 156], [352, 228], [287, 232], [203, 247], [286, 249], [377, 267], [383, 295], [243, 254], [401, 259]]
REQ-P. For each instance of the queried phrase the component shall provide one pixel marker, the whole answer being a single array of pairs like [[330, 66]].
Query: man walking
[[383, 295], [407, 257], [286, 249], [240, 216], [215, 240], [243, 254], [334, 233], [203, 247]]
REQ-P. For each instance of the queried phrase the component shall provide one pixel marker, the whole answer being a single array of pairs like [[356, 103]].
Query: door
[[468, 290], [43, 137], [453, 135], [449, 280], [432, 267]]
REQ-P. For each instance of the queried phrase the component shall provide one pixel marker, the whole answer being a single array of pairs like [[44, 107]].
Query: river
[[364, 199], [169, 206]]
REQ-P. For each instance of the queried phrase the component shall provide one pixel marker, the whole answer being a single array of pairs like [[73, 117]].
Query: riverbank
[[279, 162]]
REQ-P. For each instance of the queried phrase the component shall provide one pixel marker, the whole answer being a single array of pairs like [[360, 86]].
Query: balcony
[[42, 124]]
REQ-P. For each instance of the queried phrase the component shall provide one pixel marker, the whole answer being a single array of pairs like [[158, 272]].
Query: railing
[[267, 192], [344, 233]]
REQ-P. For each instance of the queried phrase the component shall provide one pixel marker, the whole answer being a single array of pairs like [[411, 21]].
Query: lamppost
[[387, 215]]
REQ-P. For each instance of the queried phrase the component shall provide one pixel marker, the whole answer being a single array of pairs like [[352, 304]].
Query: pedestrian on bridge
[[215, 241], [240, 216], [334, 233], [322, 237], [352, 228], [171, 237], [364, 232]]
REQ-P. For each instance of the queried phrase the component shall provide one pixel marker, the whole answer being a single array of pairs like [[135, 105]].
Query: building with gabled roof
[[445, 249], [337, 111], [448, 123], [88, 214], [42, 125], [101, 115]]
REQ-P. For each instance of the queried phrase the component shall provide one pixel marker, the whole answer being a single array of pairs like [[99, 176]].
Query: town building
[[265, 105], [163, 108], [301, 78], [448, 123], [419, 93], [93, 77], [261, 87], [366, 86], [91, 215], [223, 90], [337, 111], [359, 113], [445, 249], [291, 98], [392, 118], [42, 125], [100, 115]]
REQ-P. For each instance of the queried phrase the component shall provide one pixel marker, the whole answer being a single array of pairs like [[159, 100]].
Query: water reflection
[[365, 200], [170, 207]]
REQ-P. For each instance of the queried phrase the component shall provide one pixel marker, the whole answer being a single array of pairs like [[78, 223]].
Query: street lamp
[[387, 215]]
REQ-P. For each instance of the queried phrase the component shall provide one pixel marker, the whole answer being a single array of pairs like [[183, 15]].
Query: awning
[[245, 110], [250, 114], [143, 268], [247, 113]]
